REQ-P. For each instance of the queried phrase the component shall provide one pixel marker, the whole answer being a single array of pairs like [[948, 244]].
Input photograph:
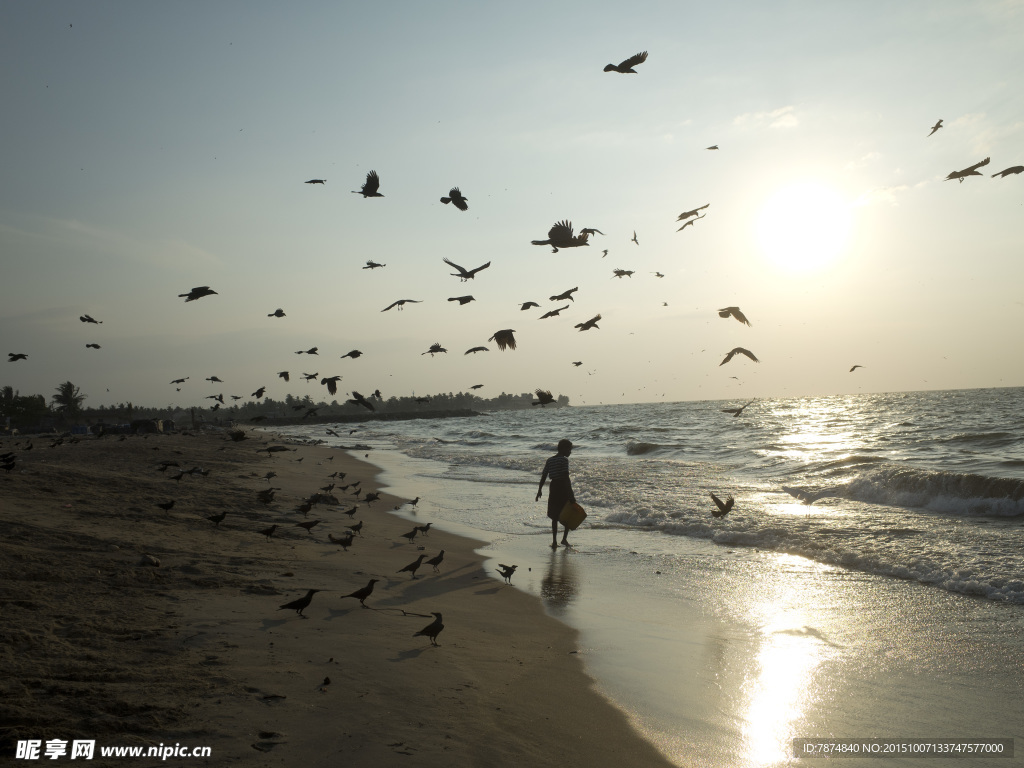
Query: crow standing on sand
[[506, 572], [432, 630], [436, 561], [362, 594], [411, 567], [301, 604]]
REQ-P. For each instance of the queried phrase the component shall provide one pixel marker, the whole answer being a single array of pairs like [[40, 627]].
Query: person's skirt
[[559, 492]]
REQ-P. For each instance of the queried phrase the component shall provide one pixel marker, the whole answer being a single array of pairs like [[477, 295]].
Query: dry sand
[[195, 651]]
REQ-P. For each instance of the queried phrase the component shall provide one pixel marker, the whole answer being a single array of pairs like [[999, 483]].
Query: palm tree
[[68, 400]]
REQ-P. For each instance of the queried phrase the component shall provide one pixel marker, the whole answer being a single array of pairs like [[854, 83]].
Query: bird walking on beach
[[436, 561], [308, 525], [413, 566], [504, 339], [723, 506], [560, 236], [369, 189], [463, 273], [432, 630], [935, 128], [626, 67], [506, 571], [197, 293], [739, 351], [268, 532], [410, 535], [344, 542], [362, 594], [166, 505], [456, 198], [424, 529], [301, 604], [734, 312], [356, 528]]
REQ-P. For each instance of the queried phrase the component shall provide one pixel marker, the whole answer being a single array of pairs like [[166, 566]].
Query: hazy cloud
[[783, 117]]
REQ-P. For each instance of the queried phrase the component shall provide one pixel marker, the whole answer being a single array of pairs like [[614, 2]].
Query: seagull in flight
[[560, 236], [733, 312], [401, 303], [369, 189], [455, 198], [626, 67], [739, 351], [935, 127], [971, 170], [464, 274]]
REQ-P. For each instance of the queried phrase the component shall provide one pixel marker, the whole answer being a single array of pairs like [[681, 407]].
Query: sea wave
[[946, 492]]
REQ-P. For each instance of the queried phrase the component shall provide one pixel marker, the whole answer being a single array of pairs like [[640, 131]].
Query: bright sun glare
[[804, 226]]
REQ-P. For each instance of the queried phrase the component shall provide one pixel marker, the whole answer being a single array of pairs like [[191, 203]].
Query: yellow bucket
[[572, 515]]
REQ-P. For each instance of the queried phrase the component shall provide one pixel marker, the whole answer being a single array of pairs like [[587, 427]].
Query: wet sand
[[132, 625]]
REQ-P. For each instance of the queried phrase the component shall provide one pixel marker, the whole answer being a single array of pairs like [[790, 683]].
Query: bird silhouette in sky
[[283, 375], [713, 146], [435, 348], [691, 221], [331, 383], [475, 349], [620, 273], [935, 128], [214, 379], [553, 312], [93, 346], [309, 376], [565, 296], [529, 304], [197, 293], [687, 214], [277, 313], [476, 386], [358, 399], [180, 381], [310, 351], [854, 368], [401, 303], [465, 274], [723, 506], [739, 351], [462, 299], [369, 189], [971, 170], [371, 264], [1009, 171], [591, 323], [544, 397], [317, 181], [590, 231], [626, 67], [504, 339], [733, 312], [634, 238], [456, 198], [89, 319], [560, 236]]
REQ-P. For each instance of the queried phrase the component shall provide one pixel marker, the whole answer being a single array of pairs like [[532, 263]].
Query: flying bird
[[687, 214], [371, 264], [855, 368], [1009, 171], [456, 198], [310, 351], [723, 506], [353, 354], [215, 379], [620, 273], [462, 299], [691, 221], [309, 376], [432, 630], [590, 231], [528, 305], [506, 571], [971, 170], [277, 313], [626, 67], [544, 397], [197, 293], [560, 236], [476, 386], [566, 296], [465, 274], [733, 312], [735, 411], [434, 349], [401, 303], [713, 146], [634, 238], [476, 349], [258, 393], [591, 323], [89, 319], [331, 383], [317, 181], [739, 351], [553, 312], [180, 381], [504, 339], [369, 189], [358, 399], [283, 375], [93, 346], [935, 128]]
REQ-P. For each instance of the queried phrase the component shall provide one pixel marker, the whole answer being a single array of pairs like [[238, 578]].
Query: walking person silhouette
[[560, 491]]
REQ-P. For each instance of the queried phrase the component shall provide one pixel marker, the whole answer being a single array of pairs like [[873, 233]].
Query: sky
[[148, 148]]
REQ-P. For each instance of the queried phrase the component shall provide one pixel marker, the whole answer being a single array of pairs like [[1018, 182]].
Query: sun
[[804, 226]]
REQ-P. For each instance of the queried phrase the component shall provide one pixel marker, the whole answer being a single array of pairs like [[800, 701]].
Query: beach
[[130, 625]]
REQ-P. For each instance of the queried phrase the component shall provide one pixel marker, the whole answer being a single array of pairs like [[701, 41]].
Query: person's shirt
[[557, 467]]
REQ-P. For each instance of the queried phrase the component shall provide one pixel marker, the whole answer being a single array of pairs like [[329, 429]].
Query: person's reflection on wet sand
[[559, 587]]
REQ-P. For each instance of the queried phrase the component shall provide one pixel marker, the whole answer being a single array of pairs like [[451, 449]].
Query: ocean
[[868, 581]]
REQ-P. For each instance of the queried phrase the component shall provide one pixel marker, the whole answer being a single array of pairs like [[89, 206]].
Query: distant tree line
[[28, 412]]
